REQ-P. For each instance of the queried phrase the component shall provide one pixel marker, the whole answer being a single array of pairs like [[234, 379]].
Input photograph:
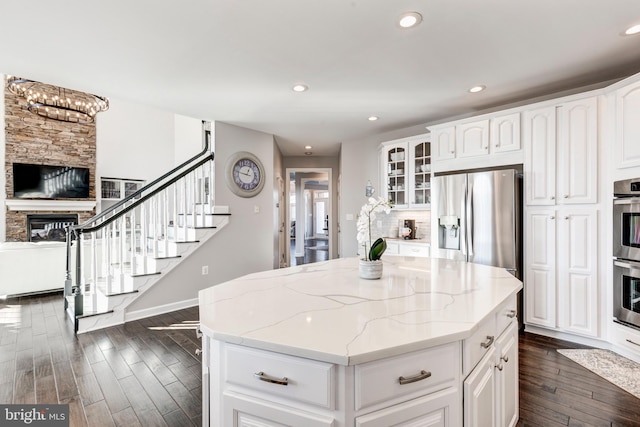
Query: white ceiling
[[236, 60]]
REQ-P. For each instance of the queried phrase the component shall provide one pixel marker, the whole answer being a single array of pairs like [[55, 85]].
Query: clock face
[[245, 174]]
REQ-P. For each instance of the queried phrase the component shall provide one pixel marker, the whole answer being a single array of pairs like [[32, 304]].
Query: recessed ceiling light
[[409, 19], [300, 87], [308, 153], [632, 30], [477, 89], [373, 118], [308, 147]]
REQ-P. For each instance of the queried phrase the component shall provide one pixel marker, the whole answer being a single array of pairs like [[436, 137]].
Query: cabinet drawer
[[393, 248], [506, 314], [291, 377], [422, 372], [478, 344], [408, 249]]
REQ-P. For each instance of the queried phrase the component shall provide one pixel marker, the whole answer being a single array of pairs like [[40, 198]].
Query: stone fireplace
[[33, 139]]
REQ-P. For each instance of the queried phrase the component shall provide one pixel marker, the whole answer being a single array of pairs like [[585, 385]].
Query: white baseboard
[[161, 309], [578, 339]]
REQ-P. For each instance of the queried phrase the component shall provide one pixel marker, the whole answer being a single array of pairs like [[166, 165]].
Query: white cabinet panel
[[472, 139], [480, 394], [507, 377], [443, 141], [540, 156], [245, 411], [504, 133], [628, 126], [540, 267], [578, 152]]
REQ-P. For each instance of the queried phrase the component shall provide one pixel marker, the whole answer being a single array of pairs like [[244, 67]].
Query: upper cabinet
[[627, 126], [490, 140], [561, 164], [406, 172]]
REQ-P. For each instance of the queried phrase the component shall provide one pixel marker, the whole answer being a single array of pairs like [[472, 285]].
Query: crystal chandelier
[[58, 103]]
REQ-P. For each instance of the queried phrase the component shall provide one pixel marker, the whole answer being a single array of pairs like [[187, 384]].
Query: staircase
[[116, 256]]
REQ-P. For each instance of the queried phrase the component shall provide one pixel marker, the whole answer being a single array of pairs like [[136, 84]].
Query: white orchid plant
[[372, 251]]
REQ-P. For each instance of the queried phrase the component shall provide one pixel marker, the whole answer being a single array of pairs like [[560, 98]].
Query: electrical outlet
[[205, 270], [256, 209]]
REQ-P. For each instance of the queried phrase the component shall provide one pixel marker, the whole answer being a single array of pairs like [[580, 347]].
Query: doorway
[[309, 215]]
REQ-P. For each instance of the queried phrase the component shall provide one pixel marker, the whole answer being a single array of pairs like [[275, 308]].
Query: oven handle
[[631, 265], [627, 201]]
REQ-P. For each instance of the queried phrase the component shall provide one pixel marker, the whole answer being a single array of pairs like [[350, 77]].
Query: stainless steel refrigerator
[[478, 218]]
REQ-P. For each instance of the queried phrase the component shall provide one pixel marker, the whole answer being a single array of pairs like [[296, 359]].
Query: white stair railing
[[104, 252]]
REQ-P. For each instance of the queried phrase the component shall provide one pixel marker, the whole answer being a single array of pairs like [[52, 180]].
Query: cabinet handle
[[511, 314], [566, 217], [266, 378], [566, 196], [552, 217], [488, 342], [505, 358], [423, 375], [500, 367], [553, 197]]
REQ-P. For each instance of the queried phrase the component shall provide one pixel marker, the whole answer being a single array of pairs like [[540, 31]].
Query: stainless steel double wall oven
[[626, 252]]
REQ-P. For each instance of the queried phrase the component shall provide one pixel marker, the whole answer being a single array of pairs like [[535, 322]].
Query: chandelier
[[58, 103]]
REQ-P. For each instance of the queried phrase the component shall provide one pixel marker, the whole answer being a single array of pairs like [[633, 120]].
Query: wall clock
[[244, 174]]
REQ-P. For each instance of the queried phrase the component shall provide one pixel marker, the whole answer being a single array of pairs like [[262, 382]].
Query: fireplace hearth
[[49, 227]]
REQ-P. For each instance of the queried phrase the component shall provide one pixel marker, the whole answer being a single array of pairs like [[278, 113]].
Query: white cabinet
[[246, 411], [407, 248], [435, 410], [561, 153], [406, 172], [472, 138], [561, 269], [627, 126], [504, 133], [443, 140], [480, 394], [491, 389]]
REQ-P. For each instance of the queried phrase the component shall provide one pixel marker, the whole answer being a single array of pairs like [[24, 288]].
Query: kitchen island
[[315, 345]]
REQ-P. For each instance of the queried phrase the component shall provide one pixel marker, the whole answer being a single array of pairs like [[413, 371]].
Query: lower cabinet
[[491, 389], [245, 411], [435, 410]]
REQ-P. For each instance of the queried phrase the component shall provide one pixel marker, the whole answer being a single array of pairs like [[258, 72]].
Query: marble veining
[[326, 312]]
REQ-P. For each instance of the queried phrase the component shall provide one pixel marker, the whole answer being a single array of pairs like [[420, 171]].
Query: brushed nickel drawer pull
[[505, 358], [511, 314], [266, 378], [423, 375], [488, 342]]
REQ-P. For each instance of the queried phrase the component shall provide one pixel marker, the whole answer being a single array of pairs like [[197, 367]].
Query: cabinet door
[[504, 133], [540, 156], [444, 143], [578, 151], [540, 267], [437, 409], [472, 139], [419, 173], [246, 411], [395, 173], [507, 377], [628, 126], [480, 392], [578, 270]]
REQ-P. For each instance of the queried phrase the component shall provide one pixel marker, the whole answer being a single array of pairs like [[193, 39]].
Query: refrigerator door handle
[[463, 222], [469, 219]]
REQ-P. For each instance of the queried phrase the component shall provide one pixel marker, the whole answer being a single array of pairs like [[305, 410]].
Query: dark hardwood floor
[[146, 373], [315, 250]]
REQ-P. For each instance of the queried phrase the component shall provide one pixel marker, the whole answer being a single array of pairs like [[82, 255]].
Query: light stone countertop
[[324, 311]]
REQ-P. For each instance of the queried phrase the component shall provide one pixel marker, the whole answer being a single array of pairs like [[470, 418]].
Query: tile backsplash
[[390, 223]]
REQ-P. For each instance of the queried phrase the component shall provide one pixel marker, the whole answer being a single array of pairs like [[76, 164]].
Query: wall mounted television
[[50, 182]]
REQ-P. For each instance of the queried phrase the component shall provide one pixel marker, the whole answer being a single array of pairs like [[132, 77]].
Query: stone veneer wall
[[33, 139]]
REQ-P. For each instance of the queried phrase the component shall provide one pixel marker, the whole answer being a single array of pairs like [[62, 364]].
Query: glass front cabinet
[[406, 172]]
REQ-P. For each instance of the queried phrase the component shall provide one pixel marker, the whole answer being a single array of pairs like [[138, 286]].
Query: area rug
[[612, 367]]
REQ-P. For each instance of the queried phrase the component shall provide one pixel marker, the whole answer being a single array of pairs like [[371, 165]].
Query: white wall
[[244, 246], [134, 141], [188, 138]]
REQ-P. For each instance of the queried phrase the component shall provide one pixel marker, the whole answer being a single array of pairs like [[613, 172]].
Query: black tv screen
[[50, 182]]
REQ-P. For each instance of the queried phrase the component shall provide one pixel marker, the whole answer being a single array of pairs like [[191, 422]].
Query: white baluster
[[144, 225], [133, 245]]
